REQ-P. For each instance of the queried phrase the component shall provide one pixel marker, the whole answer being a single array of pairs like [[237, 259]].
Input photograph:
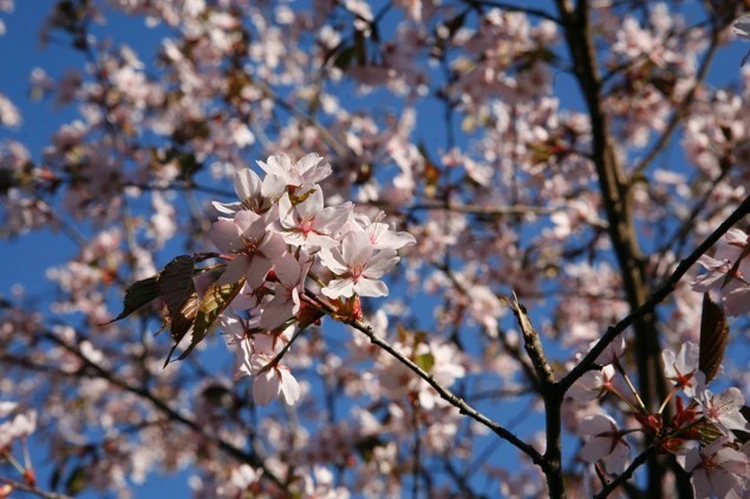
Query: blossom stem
[[624, 375], [7, 455], [669, 396]]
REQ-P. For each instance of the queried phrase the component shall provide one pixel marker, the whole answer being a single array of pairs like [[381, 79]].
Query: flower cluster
[[275, 239], [728, 272], [701, 434]]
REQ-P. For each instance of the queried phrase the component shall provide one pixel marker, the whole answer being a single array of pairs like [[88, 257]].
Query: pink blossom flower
[[724, 409], [308, 223], [285, 304], [717, 471], [728, 272], [606, 442], [257, 359], [592, 384], [253, 193], [682, 369], [358, 267], [255, 244], [273, 382], [382, 237], [308, 170]]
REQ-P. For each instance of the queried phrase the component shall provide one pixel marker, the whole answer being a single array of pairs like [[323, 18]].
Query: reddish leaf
[[714, 337]]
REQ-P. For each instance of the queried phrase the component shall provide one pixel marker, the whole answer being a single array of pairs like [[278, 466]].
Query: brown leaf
[[214, 302], [714, 337], [137, 295], [177, 291]]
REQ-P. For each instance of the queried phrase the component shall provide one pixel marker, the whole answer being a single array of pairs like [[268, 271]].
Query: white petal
[[266, 387], [246, 184], [370, 287], [290, 391], [339, 287], [382, 263], [333, 260], [355, 248]]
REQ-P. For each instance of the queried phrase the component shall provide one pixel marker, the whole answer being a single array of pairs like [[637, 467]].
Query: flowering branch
[[446, 394], [657, 297]]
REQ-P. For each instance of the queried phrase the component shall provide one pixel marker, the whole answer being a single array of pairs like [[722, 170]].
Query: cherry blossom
[[682, 369], [605, 442], [358, 267], [308, 170], [308, 223], [727, 271], [291, 275], [723, 409], [249, 237], [716, 470]]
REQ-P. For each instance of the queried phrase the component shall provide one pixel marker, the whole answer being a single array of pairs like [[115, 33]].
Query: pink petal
[[234, 271], [245, 219], [288, 270], [266, 387], [257, 271], [225, 236], [290, 390], [355, 248]]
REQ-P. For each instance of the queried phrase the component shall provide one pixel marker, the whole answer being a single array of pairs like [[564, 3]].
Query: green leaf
[[714, 338], [137, 295], [214, 302], [426, 361]]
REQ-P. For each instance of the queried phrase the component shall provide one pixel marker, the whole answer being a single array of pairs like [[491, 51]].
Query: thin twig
[[443, 392], [625, 475], [680, 111]]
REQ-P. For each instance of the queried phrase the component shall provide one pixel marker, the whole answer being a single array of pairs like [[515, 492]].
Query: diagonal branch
[[657, 297], [443, 392]]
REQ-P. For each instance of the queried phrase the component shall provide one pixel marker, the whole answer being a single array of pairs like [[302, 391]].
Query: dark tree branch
[[657, 297]]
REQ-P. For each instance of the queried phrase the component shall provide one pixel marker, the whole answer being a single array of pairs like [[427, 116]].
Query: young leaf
[[182, 323], [214, 302], [137, 295], [177, 291], [714, 337], [175, 283]]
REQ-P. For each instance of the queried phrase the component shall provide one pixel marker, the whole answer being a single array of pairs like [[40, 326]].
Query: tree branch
[[443, 392]]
